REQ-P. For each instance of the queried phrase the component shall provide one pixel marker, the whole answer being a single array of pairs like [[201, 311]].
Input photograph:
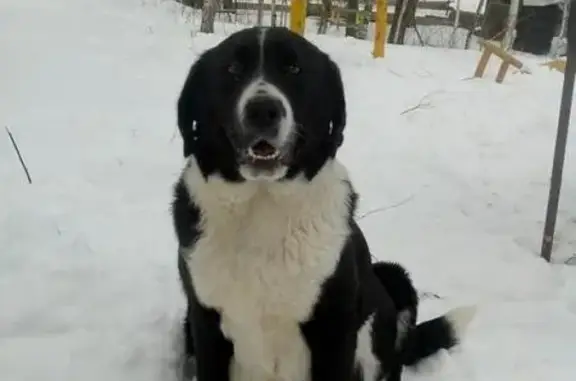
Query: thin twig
[[383, 208], [424, 102], [428, 295], [414, 108], [395, 73], [19, 155], [421, 40]]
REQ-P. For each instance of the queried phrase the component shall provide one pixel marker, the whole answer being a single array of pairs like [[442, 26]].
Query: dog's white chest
[[261, 263], [264, 275]]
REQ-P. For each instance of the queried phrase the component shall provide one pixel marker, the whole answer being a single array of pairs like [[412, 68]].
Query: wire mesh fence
[[439, 23]]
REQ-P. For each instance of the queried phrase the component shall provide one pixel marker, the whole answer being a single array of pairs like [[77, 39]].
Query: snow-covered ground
[[455, 189]]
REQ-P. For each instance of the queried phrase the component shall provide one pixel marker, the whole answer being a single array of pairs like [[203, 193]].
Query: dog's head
[[264, 104]]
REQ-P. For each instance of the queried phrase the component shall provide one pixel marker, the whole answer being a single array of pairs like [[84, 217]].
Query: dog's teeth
[[255, 156]]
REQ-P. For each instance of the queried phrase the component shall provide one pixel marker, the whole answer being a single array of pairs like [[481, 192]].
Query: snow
[[455, 189]]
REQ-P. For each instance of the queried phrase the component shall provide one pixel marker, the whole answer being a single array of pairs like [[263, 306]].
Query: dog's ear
[[191, 105], [337, 99]]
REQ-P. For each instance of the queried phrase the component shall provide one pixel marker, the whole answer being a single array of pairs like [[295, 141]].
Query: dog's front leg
[[332, 345], [213, 351]]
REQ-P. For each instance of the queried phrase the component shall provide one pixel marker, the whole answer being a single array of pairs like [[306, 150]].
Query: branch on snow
[[387, 207], [425, 102], [19, 155]]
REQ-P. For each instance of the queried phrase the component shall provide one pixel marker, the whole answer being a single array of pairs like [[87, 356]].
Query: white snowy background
[[457, 188]]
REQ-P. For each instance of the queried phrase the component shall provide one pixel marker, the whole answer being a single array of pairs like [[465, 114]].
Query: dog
[[277, 274]]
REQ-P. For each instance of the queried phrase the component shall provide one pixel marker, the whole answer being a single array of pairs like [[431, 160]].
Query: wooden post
[[494, 24], [380, 28], [273, 13], [502, 71], [482, 63], [298, 16], [260, 13], [511, 24]]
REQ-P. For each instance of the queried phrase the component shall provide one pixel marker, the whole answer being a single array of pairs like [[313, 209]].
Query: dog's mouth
[[263, 159], [263, 151]]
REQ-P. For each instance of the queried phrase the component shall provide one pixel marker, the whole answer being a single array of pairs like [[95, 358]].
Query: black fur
[[422, 340], [397, 282], [207, 102], [426, 339], [357, 290]]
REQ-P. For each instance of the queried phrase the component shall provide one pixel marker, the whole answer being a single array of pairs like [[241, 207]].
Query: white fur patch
[[265, 250], [460, 318], [254, 174], [365, 356], [261, 87]]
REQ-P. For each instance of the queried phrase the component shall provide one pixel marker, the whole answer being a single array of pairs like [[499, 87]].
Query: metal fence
[[437, 23]]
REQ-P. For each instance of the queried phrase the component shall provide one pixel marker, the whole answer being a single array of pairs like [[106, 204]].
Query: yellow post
[[298, 16], [380, 28]]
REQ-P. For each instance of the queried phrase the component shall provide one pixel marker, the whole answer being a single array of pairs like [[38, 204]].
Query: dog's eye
[[293, 69], [235, 68]]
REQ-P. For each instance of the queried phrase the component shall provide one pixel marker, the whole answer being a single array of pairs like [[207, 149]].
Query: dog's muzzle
[[266, 129], [262, 116]]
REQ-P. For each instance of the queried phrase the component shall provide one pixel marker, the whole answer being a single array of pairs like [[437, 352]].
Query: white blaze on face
[[260, 87]]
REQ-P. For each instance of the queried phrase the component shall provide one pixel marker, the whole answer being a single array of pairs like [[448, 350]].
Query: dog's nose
[[263, 113]]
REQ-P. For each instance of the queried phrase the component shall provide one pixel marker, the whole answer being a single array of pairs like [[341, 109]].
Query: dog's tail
[[417, 342], [429, 337], [398, 285]]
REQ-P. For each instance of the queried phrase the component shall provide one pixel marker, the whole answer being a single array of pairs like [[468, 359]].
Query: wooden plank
[[482, 63], [500, 52], [502, 71], [559, 65]]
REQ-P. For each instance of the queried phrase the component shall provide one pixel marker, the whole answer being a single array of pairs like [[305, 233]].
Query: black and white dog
[[277, 273]]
